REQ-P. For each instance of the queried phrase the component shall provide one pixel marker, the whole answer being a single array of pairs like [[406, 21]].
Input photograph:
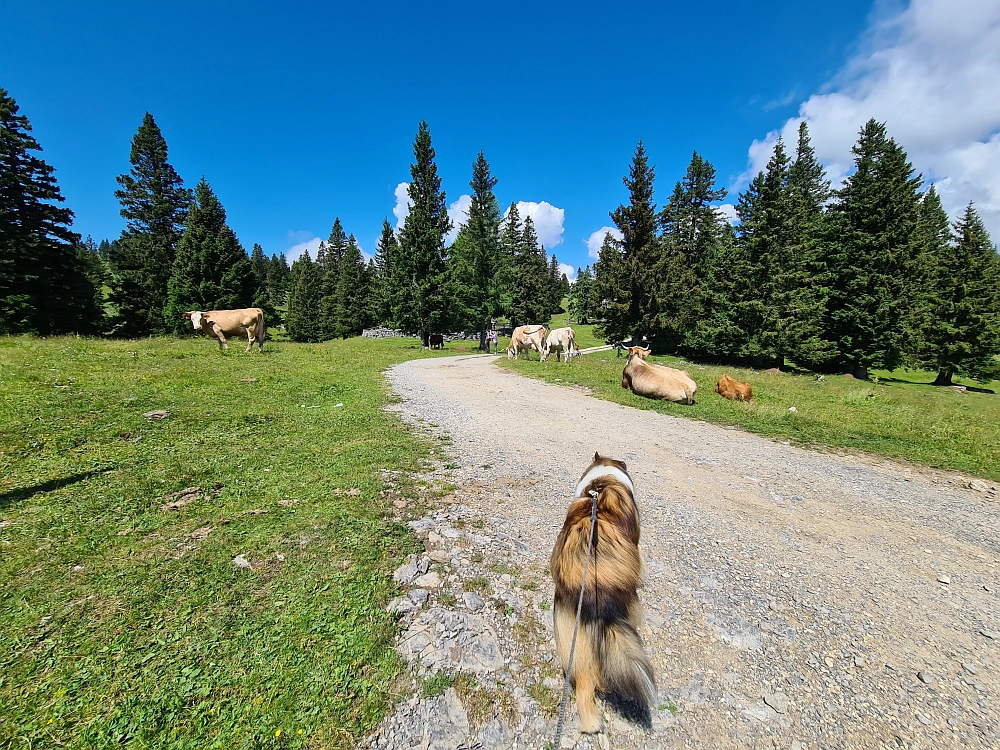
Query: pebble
[[944, 579], [925, 677], [241, 562], [428, 581], [777, 701], [473, 601], [986, 633], [970, 668]]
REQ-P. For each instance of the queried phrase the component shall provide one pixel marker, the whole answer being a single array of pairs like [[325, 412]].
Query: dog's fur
[[609, 655]]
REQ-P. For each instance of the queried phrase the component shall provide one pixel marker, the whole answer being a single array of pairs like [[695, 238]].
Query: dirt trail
[[794, 599]]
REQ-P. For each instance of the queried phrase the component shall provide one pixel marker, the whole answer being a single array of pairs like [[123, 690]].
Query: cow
[[656, 381], [436, 340], [525, 338], [560, 340], [222, 323], [732, 389]]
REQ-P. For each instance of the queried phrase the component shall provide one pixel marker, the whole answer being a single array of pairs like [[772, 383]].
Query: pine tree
[[531, 294], [874, 222], [956, 320], [581, 305], [611, 294], [385, 280], [328, 260], [262, 294], [155, 203], [278, 280], [353, 287], [555, 286], [44, 284], [694, 237], [424, 307], [302, 320], [211, 270]]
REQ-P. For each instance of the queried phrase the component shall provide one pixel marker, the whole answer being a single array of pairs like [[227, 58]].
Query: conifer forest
[[873, 274]]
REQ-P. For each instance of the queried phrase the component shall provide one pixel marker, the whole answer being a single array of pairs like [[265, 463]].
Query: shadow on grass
[[9, 498], [903, 381]]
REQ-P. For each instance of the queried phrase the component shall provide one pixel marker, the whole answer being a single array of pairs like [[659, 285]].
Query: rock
[[428, 581], [970, 668], [241, 562], [494, 734], [156, 414], [434, 539], [777, 701], [859, 661], [449, 641], [448, 724], [979, 486], [796, 745], [924, 719], [419, 597], [925, 677], [449, 533], [944, 579], [405, 573], [792, 409], [986, 633], [440, 556], [473, 601], [400, 605], [79, 568], [960, 389]]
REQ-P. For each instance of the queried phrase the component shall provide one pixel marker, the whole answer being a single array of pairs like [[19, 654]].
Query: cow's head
[[638, 351], [195, 318]]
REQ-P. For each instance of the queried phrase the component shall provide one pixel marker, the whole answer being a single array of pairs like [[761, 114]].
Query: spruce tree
[[386, 281], [581, 307], [873, 224], [278, 280], [44, 283], [555, 286], [155, 203], [956, 321], [423, 308], [211, 270], [352, 297], [328, 260], [532, 298], [302, 321], [262, 294], [611, 294]]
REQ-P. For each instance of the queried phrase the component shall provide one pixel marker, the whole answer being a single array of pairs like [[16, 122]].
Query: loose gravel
[[793, 599]]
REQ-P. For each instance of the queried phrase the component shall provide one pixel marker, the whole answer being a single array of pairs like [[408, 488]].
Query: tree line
[[177, 253], [872, 275]]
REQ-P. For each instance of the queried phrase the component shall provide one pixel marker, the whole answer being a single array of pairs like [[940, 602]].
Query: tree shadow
[[904, 381], [14, 496]]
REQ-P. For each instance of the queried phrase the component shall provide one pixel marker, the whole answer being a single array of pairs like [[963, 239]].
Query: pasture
[[124, 623], [896, 414]]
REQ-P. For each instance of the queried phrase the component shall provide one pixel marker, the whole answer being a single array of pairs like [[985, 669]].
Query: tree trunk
[[425, 339], [943, 377], [861, 372], [483, 344]]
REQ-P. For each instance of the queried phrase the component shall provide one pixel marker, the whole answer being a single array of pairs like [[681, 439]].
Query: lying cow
[[525, 338], [222, 323], [656, 381], [436, 341], [560, 340], [732, 389]]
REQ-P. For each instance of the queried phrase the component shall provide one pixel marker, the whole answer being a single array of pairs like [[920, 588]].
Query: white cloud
[[402, 208], [930, 72], [458, 212], [728, 210], [570, 272], [595, 240], [548, 221], [295, 251]]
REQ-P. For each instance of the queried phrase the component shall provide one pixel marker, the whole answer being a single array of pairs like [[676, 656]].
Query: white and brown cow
[[247, 322], [656, 381], [525, 338], [561, 340]]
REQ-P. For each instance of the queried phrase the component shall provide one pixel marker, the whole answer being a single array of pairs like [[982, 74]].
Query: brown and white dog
[[609, 656]]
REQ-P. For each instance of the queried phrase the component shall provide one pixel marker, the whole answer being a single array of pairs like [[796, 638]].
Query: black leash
[[576, 628]]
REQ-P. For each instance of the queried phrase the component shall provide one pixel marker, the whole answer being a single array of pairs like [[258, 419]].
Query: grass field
[[124, 624], [896, 414]]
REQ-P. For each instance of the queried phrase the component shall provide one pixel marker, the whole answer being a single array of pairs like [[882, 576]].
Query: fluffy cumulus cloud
[[402, 208], [594, 241], [728, 210], [570, 272], [930, 72], [548, 221], [458, 212], [295, 251]]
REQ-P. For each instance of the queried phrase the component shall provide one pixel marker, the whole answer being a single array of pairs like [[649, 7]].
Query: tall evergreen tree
[[211, 270], [278, 280], [611, 293], [555, 286], [424, 306], [694, 235], [302, 320], [353, 289], [155, 203], [532, 297], [957, 311], [385, 281], [581, 297], [44, 284], [262, 293], [328, 260], [874, 220]]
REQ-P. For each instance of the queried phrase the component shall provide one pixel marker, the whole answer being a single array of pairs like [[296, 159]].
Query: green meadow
[[895, 414], [126, 624]]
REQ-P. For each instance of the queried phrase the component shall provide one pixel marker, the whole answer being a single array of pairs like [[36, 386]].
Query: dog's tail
[[625, 668]]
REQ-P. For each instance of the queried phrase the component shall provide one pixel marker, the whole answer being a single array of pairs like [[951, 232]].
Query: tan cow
[[656, 381], [561, 340], [732, 389], [525, 338], [222, 323]]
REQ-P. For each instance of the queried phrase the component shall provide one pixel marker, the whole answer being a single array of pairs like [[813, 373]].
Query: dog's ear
[[597, 456]]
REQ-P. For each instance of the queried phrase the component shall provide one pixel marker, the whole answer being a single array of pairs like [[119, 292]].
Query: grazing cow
[[734, 390], [525, 338], [222, 323], [436, 341], [560, 340], [656, 381]]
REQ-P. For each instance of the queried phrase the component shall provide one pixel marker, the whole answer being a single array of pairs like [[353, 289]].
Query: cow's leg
[[222, 338], [251, 335]]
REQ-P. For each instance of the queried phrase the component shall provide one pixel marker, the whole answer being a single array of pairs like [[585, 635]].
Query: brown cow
[[436, 341], [732, 389], [527, 337], [656, 381], [222, 323]]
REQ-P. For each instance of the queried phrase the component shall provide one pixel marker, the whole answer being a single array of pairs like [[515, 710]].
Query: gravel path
[[793, 599]]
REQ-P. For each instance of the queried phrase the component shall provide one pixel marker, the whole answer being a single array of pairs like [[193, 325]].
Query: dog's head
[[602, 466]]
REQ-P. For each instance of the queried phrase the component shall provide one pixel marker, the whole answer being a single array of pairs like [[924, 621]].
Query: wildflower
[[277, 733]]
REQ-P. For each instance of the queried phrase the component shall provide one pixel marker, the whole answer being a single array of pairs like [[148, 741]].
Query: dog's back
[[609, 654]]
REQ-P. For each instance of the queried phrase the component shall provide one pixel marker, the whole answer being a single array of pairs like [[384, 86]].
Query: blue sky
[[297, 113]]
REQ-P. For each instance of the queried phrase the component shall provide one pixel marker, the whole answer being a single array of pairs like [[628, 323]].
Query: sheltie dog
[[609, 656]]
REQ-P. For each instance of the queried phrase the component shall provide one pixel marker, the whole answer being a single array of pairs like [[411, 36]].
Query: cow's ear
[[187, 315], [597, 456]]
